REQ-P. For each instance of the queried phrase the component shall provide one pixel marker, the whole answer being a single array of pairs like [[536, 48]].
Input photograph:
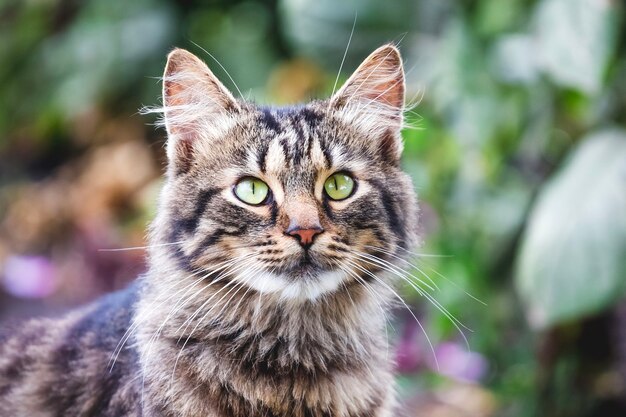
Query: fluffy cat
[[269, 260]]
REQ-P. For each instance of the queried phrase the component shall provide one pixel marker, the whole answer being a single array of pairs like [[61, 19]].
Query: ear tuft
[[377, 85], [186, 79], [372, 100], [195, 105]]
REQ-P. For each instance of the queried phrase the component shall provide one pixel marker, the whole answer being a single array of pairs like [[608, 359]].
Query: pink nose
[[305, 236]]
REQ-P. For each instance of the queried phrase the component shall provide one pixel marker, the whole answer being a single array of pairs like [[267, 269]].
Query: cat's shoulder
[[106, 316]]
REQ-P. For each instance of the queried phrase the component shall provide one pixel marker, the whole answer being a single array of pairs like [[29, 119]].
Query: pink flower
[[29, 276], [458, 363], [408, 352]]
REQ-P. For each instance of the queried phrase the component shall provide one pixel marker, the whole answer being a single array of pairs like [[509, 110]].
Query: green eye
[[339, 186], [251, 190]]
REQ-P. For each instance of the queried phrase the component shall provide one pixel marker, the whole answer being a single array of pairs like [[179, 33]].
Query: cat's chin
[[303, 271], [304, 282]]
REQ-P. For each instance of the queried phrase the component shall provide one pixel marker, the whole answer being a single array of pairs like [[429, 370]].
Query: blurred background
[[518, 154]]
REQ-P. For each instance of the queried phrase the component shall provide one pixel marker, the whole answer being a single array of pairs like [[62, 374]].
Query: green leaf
[[573, 256], [321, 29], [515, 59], [575, 40]]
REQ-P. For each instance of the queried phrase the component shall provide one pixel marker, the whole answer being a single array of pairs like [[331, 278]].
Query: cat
[[270, 266]]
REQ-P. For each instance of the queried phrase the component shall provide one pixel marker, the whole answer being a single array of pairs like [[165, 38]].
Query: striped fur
[[234, 318]]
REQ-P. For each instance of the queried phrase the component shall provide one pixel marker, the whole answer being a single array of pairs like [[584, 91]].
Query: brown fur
[[234, 317]]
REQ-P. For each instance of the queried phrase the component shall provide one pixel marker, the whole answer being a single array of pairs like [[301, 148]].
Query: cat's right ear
[[196, 106]]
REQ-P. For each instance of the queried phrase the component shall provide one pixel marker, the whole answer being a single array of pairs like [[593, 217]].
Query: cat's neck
[[261, 348], [349, 321]]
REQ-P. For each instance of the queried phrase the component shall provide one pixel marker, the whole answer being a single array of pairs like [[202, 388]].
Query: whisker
[[429, 297], [237, 288], [227, 265], [137, 320], [455, 322], [420, 254], [391, 267], [244, 279], [345, 53], [404, 261], [191, 318], [369, 289], [222, 67], [457, 286], [178, 306], [130, 248], [227, 272], [430, 344], [429, 267]]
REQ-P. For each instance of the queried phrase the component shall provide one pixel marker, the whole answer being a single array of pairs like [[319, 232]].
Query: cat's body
[[61, 367], [253, 307]]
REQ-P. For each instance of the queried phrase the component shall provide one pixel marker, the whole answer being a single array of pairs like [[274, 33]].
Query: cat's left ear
[[373, 97]]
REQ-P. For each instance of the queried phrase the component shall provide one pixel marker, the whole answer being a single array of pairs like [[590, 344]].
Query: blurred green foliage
[[517, 149]]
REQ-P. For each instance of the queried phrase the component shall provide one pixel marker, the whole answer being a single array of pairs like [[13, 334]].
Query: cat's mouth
[[304, 267]]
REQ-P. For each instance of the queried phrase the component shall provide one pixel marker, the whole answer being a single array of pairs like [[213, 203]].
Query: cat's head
[[299, 201]]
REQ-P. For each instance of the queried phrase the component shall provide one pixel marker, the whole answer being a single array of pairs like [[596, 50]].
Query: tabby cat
[[269, 266]]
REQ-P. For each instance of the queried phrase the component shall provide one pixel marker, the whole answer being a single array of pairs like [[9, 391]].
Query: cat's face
[[295, 201]]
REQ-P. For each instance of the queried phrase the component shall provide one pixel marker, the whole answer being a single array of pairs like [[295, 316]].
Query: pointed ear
[[376, 88], [372, 100], [195, 105]]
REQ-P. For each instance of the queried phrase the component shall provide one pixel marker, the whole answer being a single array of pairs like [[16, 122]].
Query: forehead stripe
[[285, 144], [326, 151], [269, 121], [261, 157]]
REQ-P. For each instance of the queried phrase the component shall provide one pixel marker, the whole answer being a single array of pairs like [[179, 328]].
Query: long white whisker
[[404, 261], [375, 297], [457, 286], [429, 267], [423, 293], [158, 245], [180, 305], [222, 67], [430, 344], [345, 53], [137, 320], [391, 267], [243, 281], [237, 287], [455, 322], [130, 248], [417, 254], [227, 272], [227, 264], [190, 319]]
